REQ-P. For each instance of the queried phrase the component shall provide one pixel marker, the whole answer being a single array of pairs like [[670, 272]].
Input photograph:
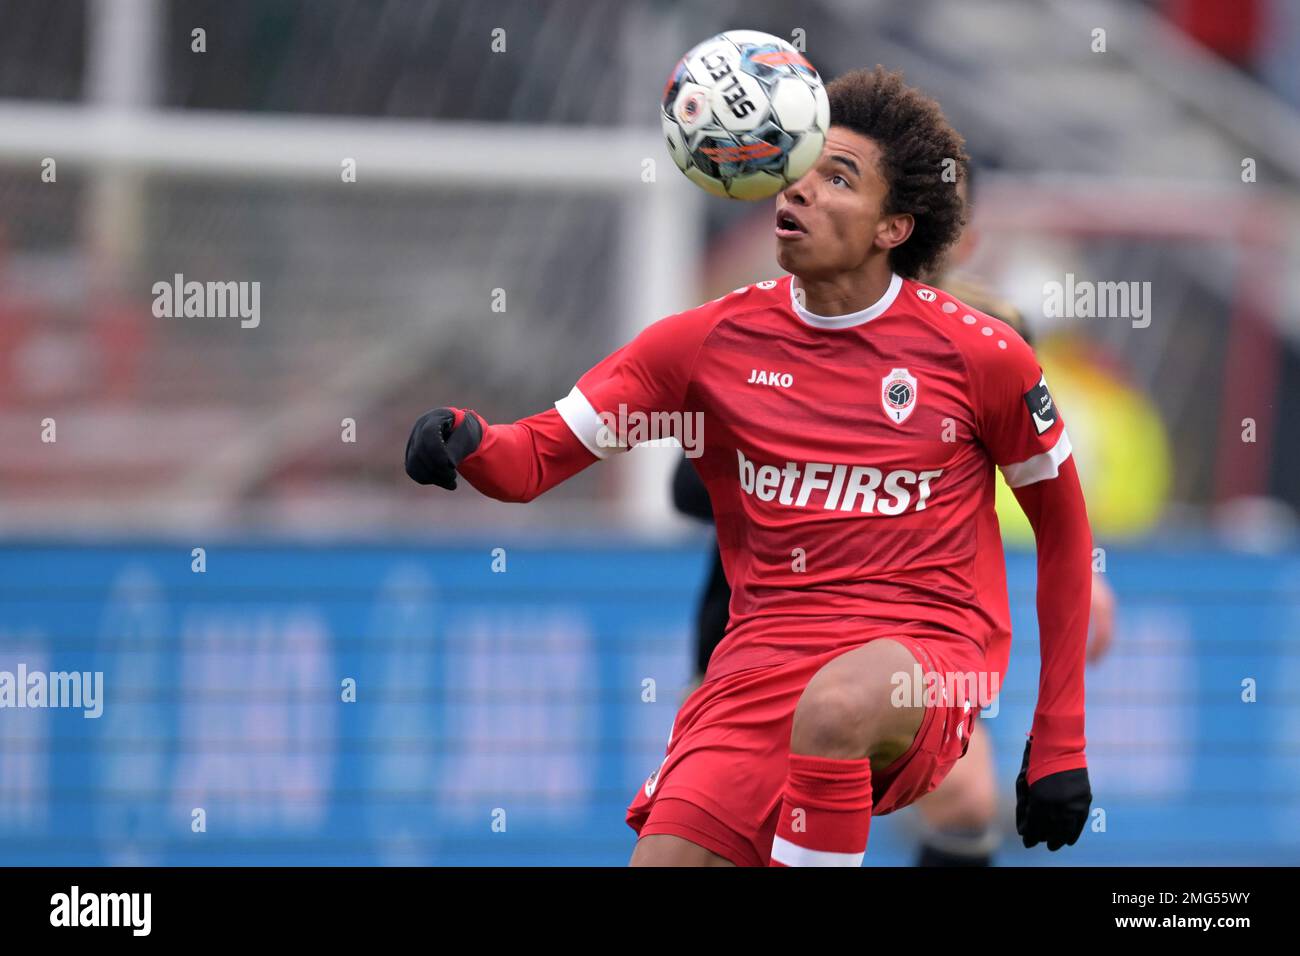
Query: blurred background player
[[957, 822]]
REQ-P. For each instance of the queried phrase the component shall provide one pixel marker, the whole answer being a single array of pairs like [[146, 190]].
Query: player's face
[[832, 219]]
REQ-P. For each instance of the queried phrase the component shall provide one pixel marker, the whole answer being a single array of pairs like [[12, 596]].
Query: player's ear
[[893, 231]]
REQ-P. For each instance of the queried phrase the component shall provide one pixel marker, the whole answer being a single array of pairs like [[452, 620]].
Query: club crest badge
[[898, 395]]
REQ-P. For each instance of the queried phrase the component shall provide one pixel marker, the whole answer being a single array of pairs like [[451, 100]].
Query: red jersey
[[850, 463], [849, 459]]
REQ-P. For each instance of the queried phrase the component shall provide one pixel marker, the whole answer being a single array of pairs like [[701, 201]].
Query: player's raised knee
[[847, 710], [832, 720]]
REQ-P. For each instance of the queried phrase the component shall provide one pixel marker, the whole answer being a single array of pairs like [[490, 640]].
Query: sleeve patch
[[1041, 407]]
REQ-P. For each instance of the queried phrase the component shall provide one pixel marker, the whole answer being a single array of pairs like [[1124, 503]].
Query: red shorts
[[720, 785]]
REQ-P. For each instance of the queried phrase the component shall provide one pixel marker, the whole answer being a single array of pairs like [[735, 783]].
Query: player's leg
[[664, 849], [847, 725], [847, 710], [958, 818]]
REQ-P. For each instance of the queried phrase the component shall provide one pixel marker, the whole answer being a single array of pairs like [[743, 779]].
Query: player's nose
[[797, 192]]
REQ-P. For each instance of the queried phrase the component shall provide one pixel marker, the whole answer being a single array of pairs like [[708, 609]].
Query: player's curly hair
[[915, 140]]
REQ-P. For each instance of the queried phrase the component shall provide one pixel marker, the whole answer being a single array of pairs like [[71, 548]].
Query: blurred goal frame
[[661, 234]]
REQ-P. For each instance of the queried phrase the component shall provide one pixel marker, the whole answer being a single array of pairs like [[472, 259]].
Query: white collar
[[852, 318]]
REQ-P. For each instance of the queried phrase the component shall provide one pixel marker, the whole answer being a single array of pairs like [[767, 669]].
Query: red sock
[[825, 813]]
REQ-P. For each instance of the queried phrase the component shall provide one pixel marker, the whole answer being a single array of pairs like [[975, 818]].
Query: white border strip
[[582, 419], [791, 854], [1040, 467]]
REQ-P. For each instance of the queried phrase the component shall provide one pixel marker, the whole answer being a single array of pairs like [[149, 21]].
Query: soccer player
[[853, 417], [957, 820]]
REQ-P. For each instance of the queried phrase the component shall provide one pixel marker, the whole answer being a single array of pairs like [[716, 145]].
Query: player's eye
[[840, 178]]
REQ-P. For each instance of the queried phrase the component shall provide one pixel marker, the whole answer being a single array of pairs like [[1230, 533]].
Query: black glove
[[1055, 808], [435, 449]]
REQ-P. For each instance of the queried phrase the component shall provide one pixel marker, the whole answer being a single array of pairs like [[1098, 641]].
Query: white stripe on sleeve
[[582, 419], [1040, 467]]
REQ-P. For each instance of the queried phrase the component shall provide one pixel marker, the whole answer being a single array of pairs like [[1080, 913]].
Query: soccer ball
[[745, 115]]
